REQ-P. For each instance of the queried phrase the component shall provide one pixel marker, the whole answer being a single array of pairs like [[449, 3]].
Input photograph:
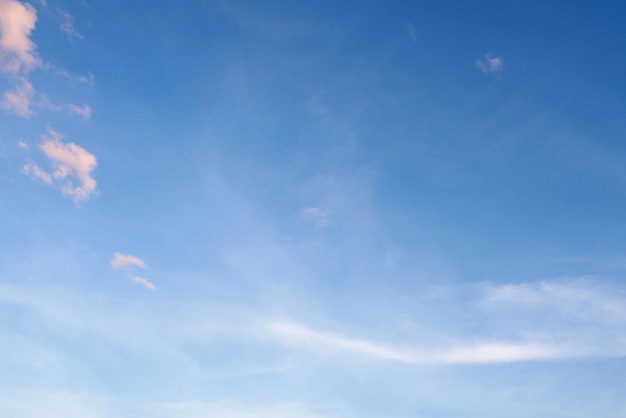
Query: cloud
[[320, 218], [120, 261], [503, 353], [144, 282], [84, 79], [580, 296], [18, 57], [127, 261], [84, 111], [22, 144], [17, 50], [489, 64], [44, 102], [67, 25], [19, 99], [35, 171], [69, 161], [303, 337]]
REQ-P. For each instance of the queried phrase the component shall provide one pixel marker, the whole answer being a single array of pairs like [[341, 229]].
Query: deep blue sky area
[[322, 209]]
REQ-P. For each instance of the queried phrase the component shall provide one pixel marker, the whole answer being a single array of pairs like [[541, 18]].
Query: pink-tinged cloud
[[83, 111], [126, 260], [44, 102], [37, 172], [71, 161], [144, 282], [17, 50], [19, 99], [489, 64]]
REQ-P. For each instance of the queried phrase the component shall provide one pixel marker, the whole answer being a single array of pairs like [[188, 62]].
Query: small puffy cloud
[[22, 144], [34, 171], [144, 282], [489, 64], [71, 163], [17, 50], [19, 99], [126, 260], [71, 160]]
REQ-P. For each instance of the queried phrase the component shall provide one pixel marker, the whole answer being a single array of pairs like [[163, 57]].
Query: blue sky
[[312, 210]]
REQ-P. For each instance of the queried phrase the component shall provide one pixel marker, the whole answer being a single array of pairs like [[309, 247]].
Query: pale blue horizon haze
[[324, 209]]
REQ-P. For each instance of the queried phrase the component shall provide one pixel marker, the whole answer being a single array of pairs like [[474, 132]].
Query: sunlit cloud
[[489, 64], [126, 260], [19, 100], [83, 111], [71, 163], [37, 172], [144, 282], [17, 50], [44, 102]]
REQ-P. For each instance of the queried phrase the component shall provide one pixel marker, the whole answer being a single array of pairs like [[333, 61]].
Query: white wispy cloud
[[126, 260], [17, 50], [22, 144], [303, 337], [19, 99], [300, 336], [578, 296], [489, 353], [70, 162], [489, 64]]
